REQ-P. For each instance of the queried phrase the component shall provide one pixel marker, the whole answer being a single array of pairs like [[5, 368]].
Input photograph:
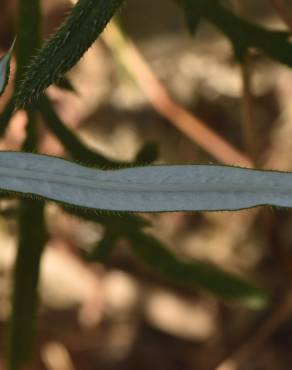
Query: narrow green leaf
[[104, 247], [147, 154], [65, 84], [84, 24], [80, 152], [5, 68], [242, 33], [193, 13], [73, 145], [117, 223], [195, 273]]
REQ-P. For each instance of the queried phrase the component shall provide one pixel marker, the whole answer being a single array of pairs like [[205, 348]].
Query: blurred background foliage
[[153, 290]]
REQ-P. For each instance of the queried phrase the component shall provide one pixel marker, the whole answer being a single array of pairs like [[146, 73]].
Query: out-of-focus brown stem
[[284, 12], [183, 120], [247, 104], [248, 121], [250, 348]]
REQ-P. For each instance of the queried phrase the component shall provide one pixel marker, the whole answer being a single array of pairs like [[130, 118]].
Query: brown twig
[[250, 348], [283, 11], [183, 120], [247, 101], [248, 122]]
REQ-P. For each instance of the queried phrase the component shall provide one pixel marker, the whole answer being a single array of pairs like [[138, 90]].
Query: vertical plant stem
[[248, 121], [31, 217], [30, 143], [30, 247], [247, 109], [28, 33], [31, 241], [284, 10], [28, 41], [5, 116]]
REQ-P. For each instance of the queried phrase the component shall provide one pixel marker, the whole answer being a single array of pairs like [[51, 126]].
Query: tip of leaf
[[5, 68], [257, 301]]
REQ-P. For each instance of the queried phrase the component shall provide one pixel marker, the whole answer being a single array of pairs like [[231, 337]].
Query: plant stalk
[[32, 235]]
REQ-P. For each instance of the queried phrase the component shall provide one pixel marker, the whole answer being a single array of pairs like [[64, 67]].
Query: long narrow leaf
[[78, 150], [149, 189], [126, 224], [165, 263], [242, 33], [72, 143], [82, 27], [104, 247]]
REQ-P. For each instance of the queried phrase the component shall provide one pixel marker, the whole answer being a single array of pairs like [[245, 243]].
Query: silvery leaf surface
[[144, 189], [5, 68]]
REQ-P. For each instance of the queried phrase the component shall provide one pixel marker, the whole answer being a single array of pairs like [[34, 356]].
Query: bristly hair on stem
[[85, 22]]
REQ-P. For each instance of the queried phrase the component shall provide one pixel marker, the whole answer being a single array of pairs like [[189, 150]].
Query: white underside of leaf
[[150, 189]]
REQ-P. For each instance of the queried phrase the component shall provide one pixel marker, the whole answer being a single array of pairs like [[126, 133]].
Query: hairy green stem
[[31, 241], [85, 22], [26, 273], [31, 216]]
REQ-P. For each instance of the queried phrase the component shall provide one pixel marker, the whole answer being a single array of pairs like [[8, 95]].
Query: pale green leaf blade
[[145, 189]]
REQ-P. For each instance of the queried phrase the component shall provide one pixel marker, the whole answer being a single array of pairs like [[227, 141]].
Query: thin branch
[[32, 230], [183, 120], [283, 11], [247, 101], [251, 347]]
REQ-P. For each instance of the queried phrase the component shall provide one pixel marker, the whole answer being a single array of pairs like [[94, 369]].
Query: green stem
[[5, 116], [26, 274], [32, 234], [30, 143], [28, 41], [32, 237], [28, 34]]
